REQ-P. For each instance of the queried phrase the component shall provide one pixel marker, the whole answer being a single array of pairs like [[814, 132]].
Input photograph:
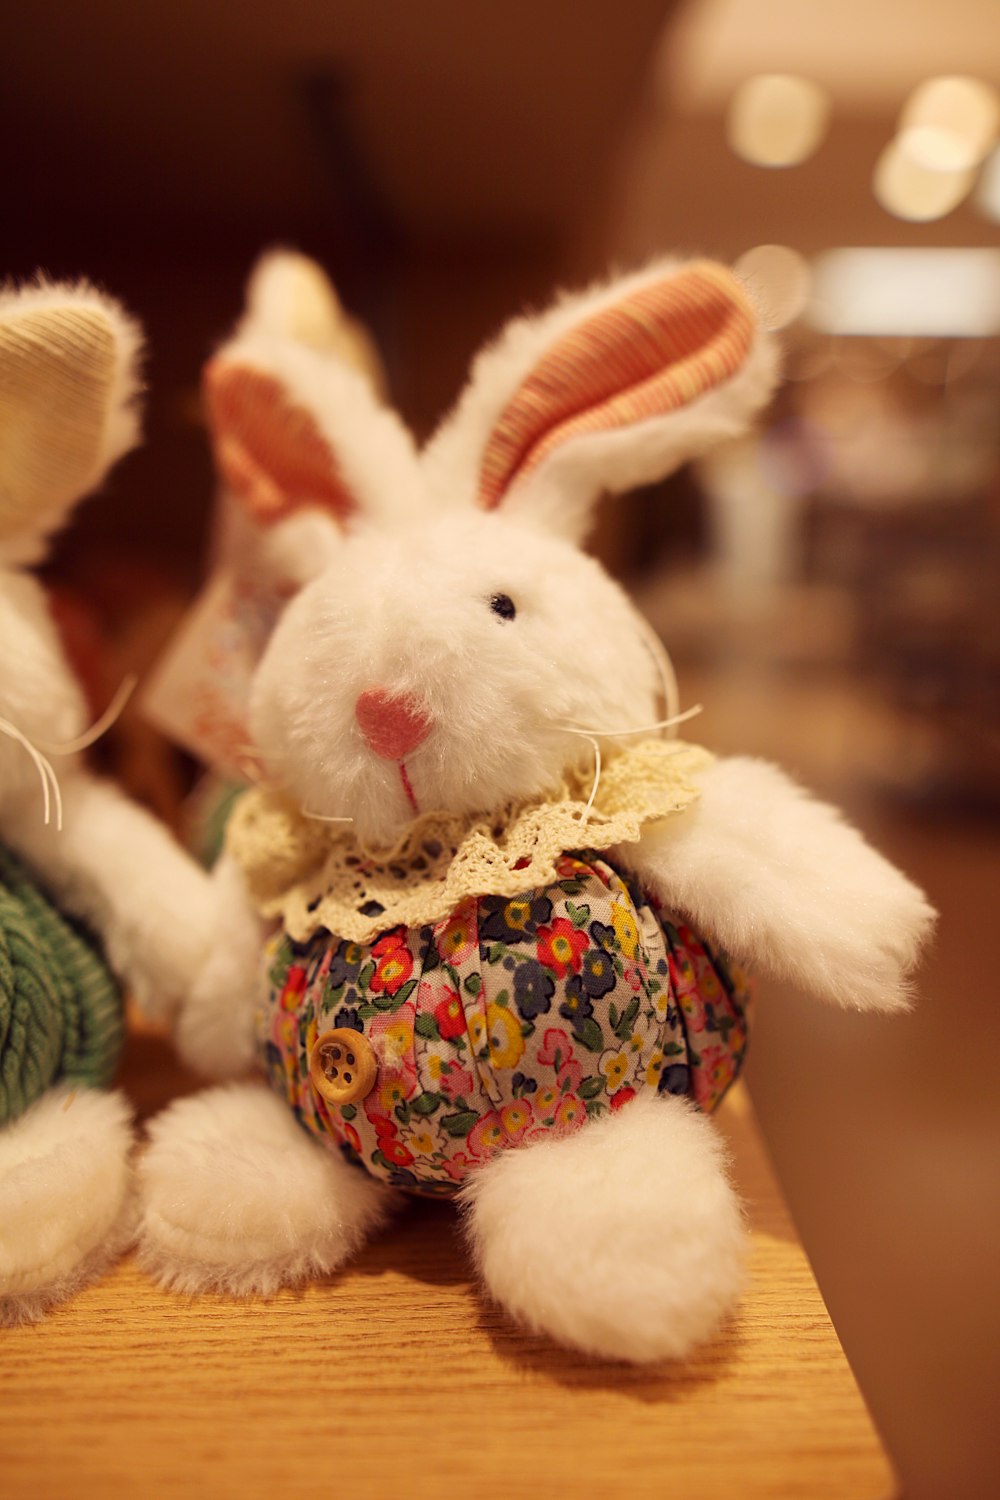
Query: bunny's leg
[[66, 1207], [235, 1197], [624, 1240]]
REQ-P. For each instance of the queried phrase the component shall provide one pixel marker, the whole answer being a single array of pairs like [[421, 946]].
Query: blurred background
[[829, 589]]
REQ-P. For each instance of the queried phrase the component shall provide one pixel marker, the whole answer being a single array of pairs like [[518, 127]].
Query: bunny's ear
[[68, 381], [605, 392], [290, 296], [293, 426]]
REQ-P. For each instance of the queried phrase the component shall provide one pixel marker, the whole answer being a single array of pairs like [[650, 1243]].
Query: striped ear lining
[[57, 369], [267, 449], [654, 352]]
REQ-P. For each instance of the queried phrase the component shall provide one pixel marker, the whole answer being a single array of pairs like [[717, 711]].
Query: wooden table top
[[395, 1378]]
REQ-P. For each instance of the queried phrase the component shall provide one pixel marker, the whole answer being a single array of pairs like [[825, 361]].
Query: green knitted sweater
[[61, 1011]]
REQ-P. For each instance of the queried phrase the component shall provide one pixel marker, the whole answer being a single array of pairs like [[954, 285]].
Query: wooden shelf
[[394, 1378]]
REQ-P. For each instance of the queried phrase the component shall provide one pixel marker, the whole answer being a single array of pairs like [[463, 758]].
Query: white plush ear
[[606, 391], [294, 426], [68, 381]]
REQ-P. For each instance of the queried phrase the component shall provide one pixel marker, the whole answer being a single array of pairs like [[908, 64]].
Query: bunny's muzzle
[[392, 727]]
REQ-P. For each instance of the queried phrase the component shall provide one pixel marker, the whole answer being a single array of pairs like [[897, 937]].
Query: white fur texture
[[787, 887], [410, 613], [624, 1240], [215, 1028], [237, 1198], [66, 1209]]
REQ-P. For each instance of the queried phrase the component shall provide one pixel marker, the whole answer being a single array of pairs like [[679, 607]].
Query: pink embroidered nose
[[392, 727]]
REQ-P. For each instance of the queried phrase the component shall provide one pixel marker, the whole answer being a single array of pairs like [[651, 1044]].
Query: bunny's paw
[[234, 1198], [66, 1206], [787, 887], [624, 1240]]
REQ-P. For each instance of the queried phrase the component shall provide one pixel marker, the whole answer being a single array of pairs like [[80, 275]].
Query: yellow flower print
[[517, 914], [614, 1066], [391, 1093], [626, 930], [516, 1117], [570, 1112], [397, 1039], [421, 1139], [457, 941], [506, 1041], [544, 1101], [654, 1068], [477, 1032]]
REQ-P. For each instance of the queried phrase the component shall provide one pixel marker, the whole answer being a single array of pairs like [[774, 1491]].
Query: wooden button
[[342, 1066]]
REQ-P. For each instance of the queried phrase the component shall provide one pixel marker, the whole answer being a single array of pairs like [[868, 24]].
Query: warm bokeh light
[[988, 191], [779, 278], [939, 293], [777, 119], [909, 190], [950, 124]]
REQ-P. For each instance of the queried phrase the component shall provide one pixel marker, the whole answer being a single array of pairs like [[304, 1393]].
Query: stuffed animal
[[482, 925], [78, 862]]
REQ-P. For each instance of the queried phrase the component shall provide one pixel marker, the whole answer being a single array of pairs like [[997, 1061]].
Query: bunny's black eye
[[503, 605]]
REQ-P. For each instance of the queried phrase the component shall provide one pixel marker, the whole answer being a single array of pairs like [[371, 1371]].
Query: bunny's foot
[[66, 1210], [624, 1240], [236, 1198]]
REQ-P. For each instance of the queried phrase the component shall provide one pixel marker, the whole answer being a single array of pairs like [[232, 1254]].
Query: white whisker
[[637, 729], [45, 771], [324, 817], [597, 782], [100, 726], [665, 667]]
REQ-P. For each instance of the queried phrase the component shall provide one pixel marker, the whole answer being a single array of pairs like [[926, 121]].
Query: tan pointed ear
[[605, 392], [294, 426], [290, 296], [68, 381]]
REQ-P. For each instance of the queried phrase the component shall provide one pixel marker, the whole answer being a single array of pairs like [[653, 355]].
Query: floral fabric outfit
[[513, 1019]]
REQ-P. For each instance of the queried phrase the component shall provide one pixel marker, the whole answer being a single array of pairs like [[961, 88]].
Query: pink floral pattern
[[514, 1019]]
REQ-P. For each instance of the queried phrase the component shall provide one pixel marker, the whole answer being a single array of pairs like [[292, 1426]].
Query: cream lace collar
[[312, 874]]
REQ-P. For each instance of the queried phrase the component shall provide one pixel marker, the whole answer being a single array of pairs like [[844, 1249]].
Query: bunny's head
[[448, 640], [68, 381]]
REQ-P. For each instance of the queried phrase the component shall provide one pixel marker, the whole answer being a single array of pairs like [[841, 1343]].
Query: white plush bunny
[[72, 848], [480, 951]]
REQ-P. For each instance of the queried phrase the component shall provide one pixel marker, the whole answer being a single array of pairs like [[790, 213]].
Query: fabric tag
[[199, 692]]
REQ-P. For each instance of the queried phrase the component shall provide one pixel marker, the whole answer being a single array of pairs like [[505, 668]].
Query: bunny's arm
[[114, 866], [215, 1027], [787, 887]]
